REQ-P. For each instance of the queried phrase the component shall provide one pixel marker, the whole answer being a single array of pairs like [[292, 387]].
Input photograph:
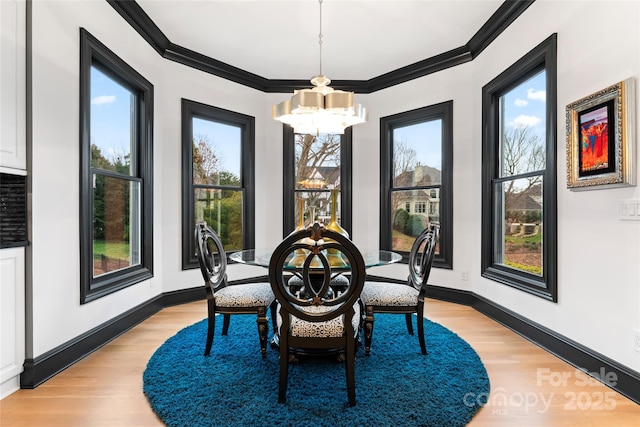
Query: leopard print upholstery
[[389, 294], [331, 328], [336, 281], [245, 295]]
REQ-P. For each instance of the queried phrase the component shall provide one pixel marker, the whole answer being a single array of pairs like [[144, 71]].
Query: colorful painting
[[601, 138], [595, 156]]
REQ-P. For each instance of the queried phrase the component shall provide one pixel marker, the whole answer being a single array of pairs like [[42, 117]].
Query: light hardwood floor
[[529, 387]]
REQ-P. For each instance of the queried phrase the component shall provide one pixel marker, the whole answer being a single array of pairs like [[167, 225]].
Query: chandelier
[[321, 109]]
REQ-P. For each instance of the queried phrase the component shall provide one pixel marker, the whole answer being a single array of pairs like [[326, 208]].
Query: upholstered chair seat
[[377, 293], [329, 328], [247, 295]]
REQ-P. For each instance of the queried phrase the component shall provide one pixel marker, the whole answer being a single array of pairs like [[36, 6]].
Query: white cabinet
[[13, 160], [13, 157], [12, 318]]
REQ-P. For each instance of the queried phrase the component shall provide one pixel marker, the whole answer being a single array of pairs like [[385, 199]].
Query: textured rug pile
[[395, 385]]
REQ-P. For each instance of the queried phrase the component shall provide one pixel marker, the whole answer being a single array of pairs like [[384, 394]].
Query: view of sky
[[224, 140], [425, 139], [111, 106], [525, 105]]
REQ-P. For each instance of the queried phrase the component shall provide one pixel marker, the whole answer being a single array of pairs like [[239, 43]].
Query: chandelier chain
[[320, 36]]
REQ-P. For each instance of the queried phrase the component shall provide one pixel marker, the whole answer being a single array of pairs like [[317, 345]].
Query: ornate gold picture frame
[[601, 138]]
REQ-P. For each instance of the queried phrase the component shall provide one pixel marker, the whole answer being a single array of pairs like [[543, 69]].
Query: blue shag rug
[[395, 385]]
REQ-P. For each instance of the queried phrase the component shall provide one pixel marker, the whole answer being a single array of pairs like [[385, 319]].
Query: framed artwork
[[601, 138]]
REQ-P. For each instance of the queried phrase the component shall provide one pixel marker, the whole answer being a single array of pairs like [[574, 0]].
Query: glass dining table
[[261, 257]]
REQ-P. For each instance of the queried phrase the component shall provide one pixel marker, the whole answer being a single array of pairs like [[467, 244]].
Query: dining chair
[[224, 298], [318, 319], [403, 298]]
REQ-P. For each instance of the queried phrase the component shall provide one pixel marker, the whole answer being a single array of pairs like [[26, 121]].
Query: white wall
[[598, 254], [179, 82], [56, 315], [598, 306], [451, 84]]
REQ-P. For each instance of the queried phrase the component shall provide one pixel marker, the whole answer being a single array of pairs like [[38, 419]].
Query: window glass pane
[[222, 210], [116, 224], [317, 163], [405, 225], [417, 154], [520, 245], [112, 121], [522, 127], [216, 153]]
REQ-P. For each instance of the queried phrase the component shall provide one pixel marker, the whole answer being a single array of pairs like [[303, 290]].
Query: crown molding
[[133, 13], [142, 23]]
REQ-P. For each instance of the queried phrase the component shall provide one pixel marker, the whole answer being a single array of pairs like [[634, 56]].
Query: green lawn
[[524, 253], [114, 250], [401, 242], [537, 238]]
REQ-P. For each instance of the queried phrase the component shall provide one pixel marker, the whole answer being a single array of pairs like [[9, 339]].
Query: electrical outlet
[[636, 340], [464, 275]]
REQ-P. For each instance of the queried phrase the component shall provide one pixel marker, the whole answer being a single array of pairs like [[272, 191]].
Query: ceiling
[[279, 39]]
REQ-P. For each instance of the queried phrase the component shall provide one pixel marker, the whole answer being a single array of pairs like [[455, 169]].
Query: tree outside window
[[113, 115], [216, 179], [314, 165], [317, 166], [523, 164]]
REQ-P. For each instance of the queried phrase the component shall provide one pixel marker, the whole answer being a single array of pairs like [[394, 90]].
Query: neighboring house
[[322, 178], [525, 204], [424, 201]]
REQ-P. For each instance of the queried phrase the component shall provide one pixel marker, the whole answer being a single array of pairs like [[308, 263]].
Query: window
[[313, 166], [519, 176], [416, 165], [218, 179], [116, 199]]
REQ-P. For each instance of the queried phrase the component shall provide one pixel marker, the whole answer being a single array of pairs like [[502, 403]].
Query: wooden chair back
[[421, 256], [212, 257]]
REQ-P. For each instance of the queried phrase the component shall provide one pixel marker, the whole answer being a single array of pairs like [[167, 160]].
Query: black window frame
[[94, 53], [289, 176], [542, 57], [442, 111], [192, 109]]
